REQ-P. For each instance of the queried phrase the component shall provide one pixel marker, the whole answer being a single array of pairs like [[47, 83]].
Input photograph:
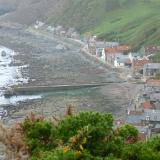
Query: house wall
[[147, 72], [103, 57], [116, 64], [99, 52]]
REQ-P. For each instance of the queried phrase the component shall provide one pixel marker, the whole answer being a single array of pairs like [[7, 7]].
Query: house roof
[[155, 96], [100, 44], [153, 80], [117, 49], [135, 54], [152, 114], [151, 89], [153, 83], [147, 105], [112, 44], [123, 59], [103, 44], [134, 119], [141, 129], [140, 63], [128, 61], [152, 66]]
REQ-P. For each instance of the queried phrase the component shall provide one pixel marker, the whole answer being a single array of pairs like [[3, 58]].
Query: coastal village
[[143, 111], [79, 80]]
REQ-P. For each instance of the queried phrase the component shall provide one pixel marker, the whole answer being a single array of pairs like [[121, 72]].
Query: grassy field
[[156, 58], [135, 22], [137, 25]]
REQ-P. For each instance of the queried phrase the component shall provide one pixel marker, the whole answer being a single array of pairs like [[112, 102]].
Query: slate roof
[[134, 119], [154, 115], [123, 59], [152, 66]]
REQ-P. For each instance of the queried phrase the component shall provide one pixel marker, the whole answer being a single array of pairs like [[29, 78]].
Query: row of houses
[[120, 56], [58, 30], [112, 53], [144, 111]]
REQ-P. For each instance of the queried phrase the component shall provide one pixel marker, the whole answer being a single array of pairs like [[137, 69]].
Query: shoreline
[[121, 73], [50, 68]]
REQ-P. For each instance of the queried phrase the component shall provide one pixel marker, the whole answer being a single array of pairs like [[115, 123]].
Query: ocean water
[[11, 75]]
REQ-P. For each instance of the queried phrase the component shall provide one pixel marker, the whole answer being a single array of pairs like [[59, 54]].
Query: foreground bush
[[86, 136]]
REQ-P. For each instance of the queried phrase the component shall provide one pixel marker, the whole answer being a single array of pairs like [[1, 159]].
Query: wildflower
[[66, 149]]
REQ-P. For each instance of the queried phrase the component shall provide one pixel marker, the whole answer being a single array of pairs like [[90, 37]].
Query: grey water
[[10, 75]]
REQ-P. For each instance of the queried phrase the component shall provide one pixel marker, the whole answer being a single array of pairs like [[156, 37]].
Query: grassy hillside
[[137, 25], [136, 22]]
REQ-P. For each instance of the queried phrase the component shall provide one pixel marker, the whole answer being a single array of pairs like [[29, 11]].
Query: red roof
[[140, 63], [147, 105], [153, 80], [118, 49]]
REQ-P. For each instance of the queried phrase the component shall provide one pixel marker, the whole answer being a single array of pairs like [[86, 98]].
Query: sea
[[11, 75]]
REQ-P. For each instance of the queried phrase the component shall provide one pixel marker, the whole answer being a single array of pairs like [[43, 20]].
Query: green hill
[[135, 22]]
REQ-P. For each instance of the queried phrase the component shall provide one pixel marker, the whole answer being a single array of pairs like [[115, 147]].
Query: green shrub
[[129, 133], [86, 136], [100, 125], [59, 154], [97, 126], [40, 135]]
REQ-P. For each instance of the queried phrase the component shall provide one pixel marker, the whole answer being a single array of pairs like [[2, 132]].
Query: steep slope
[[27, 11], [137, 25], [136, 22]]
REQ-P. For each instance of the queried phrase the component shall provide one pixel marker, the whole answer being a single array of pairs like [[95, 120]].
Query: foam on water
[[9, 76], [15, 99]]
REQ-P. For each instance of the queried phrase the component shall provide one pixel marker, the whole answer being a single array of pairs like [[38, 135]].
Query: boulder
[[8, 93], [3, 53]]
